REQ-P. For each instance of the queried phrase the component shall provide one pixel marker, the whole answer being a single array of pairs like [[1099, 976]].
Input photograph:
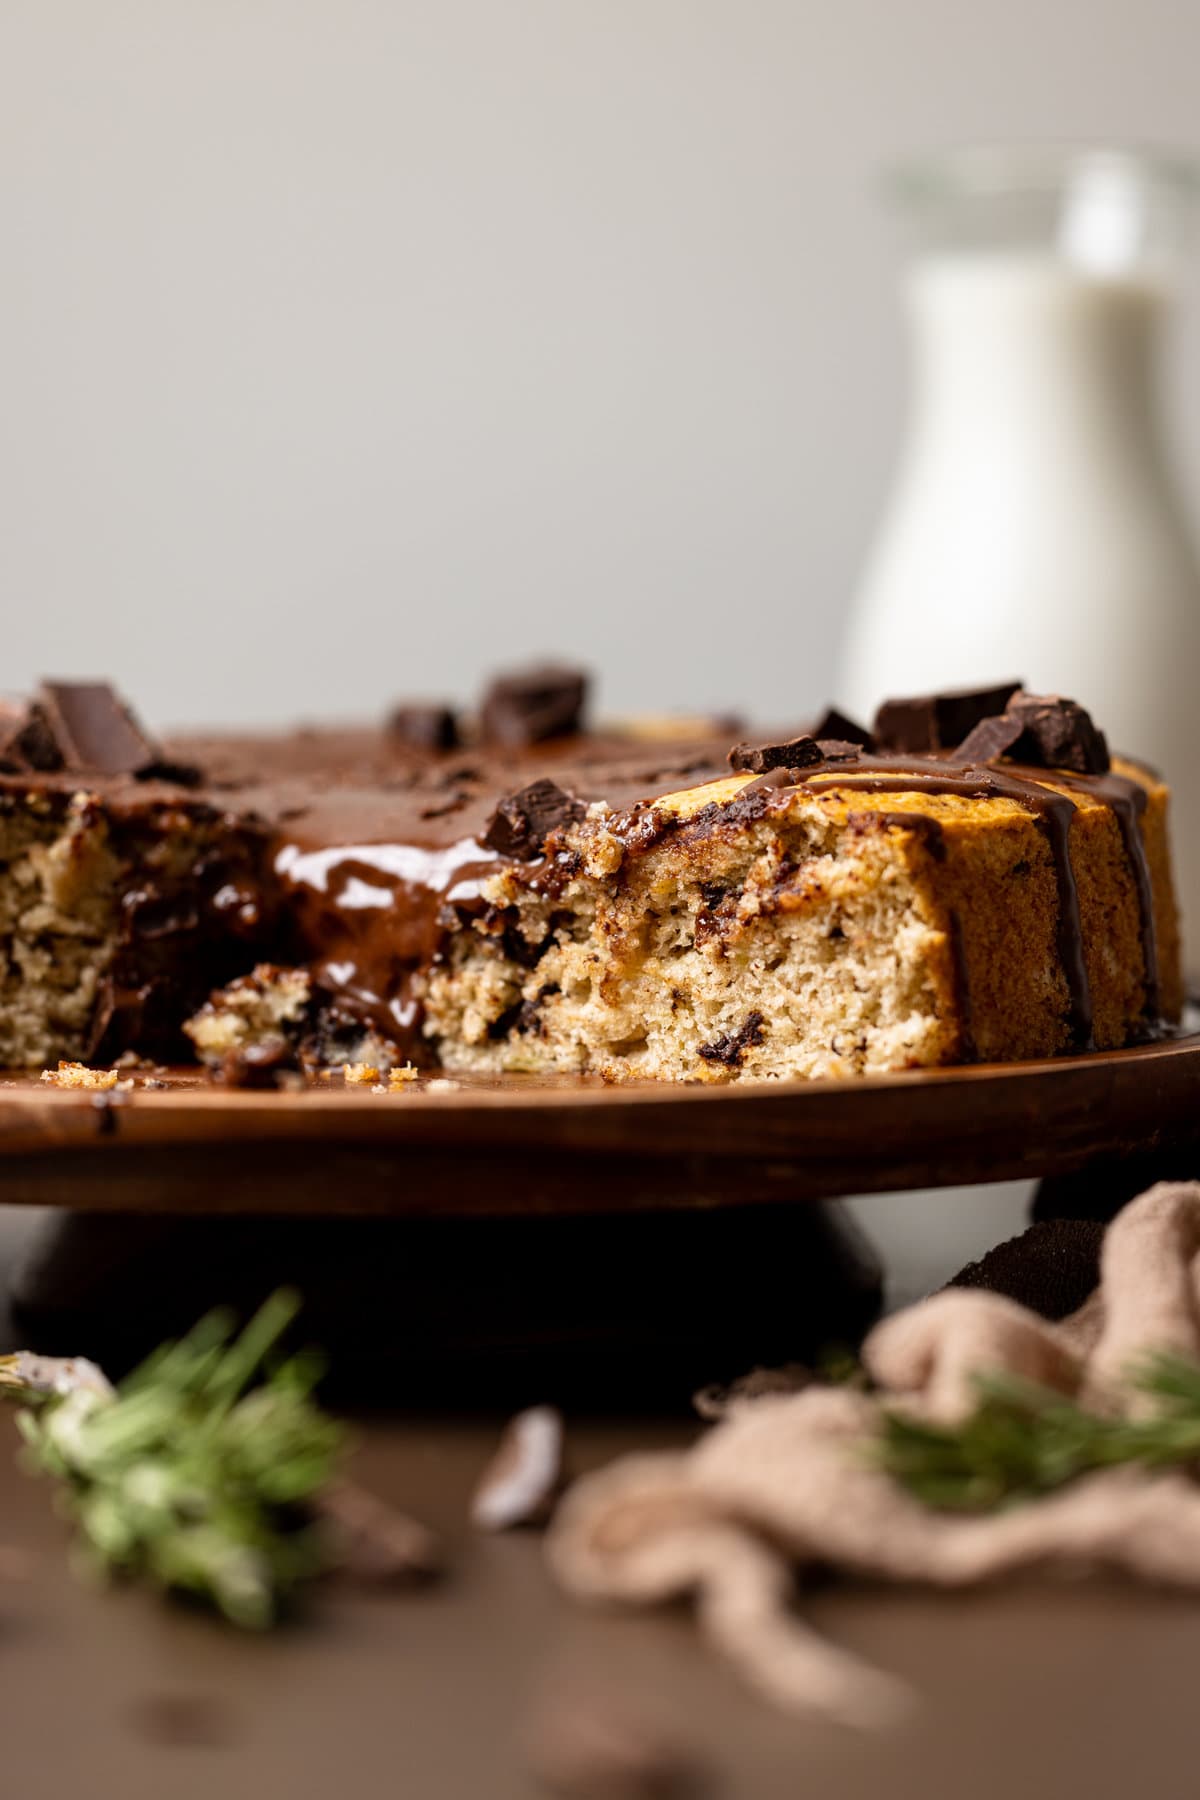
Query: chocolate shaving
[[533, 705], [834, 724], [938, 721], [757, 759], [521, 1483], [1058, 734], [374, 1543], [424, 727], [523, 821]]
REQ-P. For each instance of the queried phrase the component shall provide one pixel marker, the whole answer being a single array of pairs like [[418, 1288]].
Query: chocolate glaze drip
[[1127, 798]]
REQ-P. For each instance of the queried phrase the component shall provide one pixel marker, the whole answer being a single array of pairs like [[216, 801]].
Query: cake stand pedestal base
[[610, 1310]]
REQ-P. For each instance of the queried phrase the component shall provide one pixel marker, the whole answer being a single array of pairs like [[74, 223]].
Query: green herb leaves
[[191, 1478], [1023, 1440]]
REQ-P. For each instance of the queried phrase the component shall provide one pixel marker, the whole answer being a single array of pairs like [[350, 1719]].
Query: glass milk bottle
[[1034, 529]]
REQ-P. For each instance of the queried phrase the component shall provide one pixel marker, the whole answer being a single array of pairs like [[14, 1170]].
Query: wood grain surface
[[528, 1145]]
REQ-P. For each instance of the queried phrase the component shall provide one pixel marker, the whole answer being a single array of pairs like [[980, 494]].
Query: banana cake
[[971, 879]]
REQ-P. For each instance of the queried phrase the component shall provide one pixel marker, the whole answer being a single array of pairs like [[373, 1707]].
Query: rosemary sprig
[[191, 1478], [1023, 1440]]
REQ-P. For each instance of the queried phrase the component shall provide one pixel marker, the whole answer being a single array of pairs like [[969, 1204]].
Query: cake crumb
[[359, 1074], [400, 1078], [78, 1075]]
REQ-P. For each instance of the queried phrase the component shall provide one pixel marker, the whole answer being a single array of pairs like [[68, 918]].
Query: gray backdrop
[[351, 346]]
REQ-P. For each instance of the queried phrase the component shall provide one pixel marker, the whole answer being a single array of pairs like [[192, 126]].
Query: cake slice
[[819, 927]]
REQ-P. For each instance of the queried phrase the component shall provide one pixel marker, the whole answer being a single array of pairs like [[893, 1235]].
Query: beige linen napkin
[[788, 1480]]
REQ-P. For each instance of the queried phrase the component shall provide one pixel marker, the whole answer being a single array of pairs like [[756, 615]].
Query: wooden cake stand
[[474, 1226]]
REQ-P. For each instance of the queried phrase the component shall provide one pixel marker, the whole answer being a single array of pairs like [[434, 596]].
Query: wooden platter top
[[523, 1144]]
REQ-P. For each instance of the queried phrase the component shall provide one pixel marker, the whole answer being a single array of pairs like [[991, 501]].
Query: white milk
[[1034, 529]]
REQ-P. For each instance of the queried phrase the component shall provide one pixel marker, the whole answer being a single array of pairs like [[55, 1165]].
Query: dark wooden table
[[1076, 1689]]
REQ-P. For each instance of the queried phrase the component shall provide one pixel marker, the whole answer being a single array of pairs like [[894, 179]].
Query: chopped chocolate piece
[[424, 727], [593, 1747], [255, 1065], [1058, 734], [840, 750], [93, 730], [938, 721], [731, 1046], [990, 739], [835, 724], [757, 759], [26, 740], [531, 706], [522, 822]]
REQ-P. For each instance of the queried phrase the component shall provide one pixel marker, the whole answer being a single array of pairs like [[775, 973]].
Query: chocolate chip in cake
[[834, 724], [938, 721], [94, 730], [424, 727], [532, 705], [756, 759], [731, 1046], [1058, 734], [839, 750], [522, 822]]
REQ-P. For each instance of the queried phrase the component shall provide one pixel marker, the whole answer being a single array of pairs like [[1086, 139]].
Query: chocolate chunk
[[256, 1065], [522, 822], [93, 730], [834, 724], [1058, 734], [938, 721], [731, 1046], [375, 1543], [424, 727], [757, 759], [533, 705], [991, 739], [839, 750], [1052, 1268]]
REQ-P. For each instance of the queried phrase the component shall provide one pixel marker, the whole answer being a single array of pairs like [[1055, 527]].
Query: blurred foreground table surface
[[1069, 1689]]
